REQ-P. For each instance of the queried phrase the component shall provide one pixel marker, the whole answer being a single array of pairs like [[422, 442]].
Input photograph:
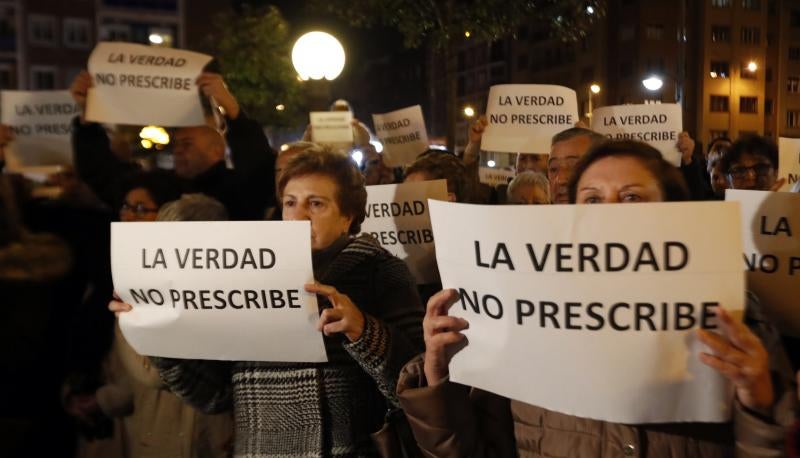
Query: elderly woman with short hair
[[371, 317], [529, 188]]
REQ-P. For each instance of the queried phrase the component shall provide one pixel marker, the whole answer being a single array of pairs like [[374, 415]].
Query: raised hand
[[443, 337]]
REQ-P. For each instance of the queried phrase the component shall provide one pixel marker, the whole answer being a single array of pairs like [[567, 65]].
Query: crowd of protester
[[75, 387]]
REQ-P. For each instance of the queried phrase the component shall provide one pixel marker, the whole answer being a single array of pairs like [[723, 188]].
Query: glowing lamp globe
[[653, 83], [318, 55]]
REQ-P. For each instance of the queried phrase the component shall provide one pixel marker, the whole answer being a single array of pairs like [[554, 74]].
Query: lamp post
[[318, 57], [594, 88]]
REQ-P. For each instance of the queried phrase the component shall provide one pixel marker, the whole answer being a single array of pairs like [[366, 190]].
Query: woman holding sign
[[449, 419], [370, 316]]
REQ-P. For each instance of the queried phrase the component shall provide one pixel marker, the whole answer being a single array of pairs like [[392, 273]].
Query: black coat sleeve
[[253, 160], [696, 178], [96, 164]]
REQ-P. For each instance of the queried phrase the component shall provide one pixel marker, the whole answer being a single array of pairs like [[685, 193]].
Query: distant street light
[[752, 66], [491, 163], [156, 39], [469, 111], [467, 34], [595, 88], [155, 135], [590, 9], [318, 55], [280, 107], [653, 83]]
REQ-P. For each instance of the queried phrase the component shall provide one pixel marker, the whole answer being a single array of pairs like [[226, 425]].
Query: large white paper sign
[[403, 135], [42, 123], [771, 233], [524, 117], [142, 85], [789, 162], [332, 127], [657, 124], [398, 218], [218, 290], [591, 310]]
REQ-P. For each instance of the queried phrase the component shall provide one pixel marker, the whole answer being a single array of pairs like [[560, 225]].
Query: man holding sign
[[546, 317], [199, 150], [370, 317]]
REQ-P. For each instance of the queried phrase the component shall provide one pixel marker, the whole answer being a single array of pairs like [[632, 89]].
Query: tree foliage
[[253, 48], [438, 22]]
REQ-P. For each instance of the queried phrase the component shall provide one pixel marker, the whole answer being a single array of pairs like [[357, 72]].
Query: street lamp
[[469, 111], [318, 55], [653, 83], [752, 66], [594, 88]]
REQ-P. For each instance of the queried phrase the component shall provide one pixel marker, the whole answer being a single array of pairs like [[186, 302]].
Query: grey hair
[[300, 145], [529, 178], [573, 132], [193, 207]]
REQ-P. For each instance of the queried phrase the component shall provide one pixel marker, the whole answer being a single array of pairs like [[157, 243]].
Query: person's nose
[[299, 213]]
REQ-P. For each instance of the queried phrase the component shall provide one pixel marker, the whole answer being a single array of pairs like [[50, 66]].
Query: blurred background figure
[[529, 188]]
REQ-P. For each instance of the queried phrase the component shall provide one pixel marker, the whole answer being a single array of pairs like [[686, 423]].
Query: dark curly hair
[[670, 180], [755, 145], [162, 185], [438, 165], [351, 193]]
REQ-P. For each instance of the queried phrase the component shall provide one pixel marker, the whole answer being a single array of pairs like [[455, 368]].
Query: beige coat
[[453, 420], [161, 424]]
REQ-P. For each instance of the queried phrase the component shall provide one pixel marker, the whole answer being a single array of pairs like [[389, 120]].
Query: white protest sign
[[771, 233], [42, 123], [494, 176], [403, 135], [657, 124], [143, 85], [789, 162], [591, 310], [524, 117], [332, 127], [398, 218], [218, 290]]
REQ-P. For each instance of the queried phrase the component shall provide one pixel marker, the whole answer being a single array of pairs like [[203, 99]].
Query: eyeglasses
[[757, 171], [138, 209]]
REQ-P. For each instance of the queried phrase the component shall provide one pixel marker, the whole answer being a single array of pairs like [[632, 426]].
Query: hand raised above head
[[477, 128], [80, 88], [213, 85], [686, 147]]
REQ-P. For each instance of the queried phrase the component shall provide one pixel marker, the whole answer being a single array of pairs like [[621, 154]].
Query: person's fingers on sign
[[6, 137], [739, 355], [686, 147], [80, 88], [213, 85], [443, 337], [477, 128], [343, 317], [117, 306], [778, 185]]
